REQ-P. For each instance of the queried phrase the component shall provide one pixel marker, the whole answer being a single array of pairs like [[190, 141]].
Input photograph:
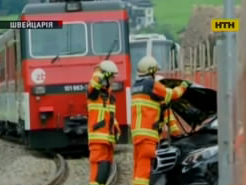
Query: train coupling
[[75, 125]]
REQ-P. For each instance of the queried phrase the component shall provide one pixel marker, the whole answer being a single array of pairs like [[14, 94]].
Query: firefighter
[[102, 124], [147, 95]]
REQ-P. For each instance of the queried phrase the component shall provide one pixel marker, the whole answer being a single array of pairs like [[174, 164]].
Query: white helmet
[[108, 66], [147, 65]]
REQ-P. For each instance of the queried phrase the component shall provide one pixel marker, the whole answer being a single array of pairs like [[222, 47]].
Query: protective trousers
[[144, 153], [101, 157]]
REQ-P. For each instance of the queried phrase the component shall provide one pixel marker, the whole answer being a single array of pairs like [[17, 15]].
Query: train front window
[[138, 50], [106, 37], [70, 40], [160, 52]]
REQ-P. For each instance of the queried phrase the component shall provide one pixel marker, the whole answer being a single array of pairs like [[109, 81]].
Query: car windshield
[[138, 51], [51, 42], [104, 36], [160, 51]]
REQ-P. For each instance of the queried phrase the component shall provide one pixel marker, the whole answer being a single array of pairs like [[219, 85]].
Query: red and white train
[[44, 72]]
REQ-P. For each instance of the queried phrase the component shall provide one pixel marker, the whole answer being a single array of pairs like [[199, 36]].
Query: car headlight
[[199, 155], [117, 86], [39, 90]]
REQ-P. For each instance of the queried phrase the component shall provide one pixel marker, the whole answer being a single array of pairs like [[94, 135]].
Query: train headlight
[[39, 90], [73, 6], [117, 86]]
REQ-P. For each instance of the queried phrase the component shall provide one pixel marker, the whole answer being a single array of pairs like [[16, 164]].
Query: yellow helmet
[[108, 66], [147, 65]]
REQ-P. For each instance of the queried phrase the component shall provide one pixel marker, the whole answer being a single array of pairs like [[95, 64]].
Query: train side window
[[106, 37], [160, 51], [138, 51]]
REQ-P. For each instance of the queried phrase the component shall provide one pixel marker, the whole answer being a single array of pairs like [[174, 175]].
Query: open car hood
[[196, 105]]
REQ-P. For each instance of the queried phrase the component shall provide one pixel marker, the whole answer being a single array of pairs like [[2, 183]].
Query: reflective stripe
[[139, 116], [147, 103], [100, 115], [141, 181], [96, 85], [145, 132], [169, 118], [101, 136], [168, 96], [139, 103], [99, 118], [99, 107], [174, 128], [179, 91], [94, 183]]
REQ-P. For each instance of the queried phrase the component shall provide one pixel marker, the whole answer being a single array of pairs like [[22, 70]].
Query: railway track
[[112, 180], [61, 171]]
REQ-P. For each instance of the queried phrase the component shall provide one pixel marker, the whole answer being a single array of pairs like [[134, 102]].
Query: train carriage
[[44, 72], [165, 51]]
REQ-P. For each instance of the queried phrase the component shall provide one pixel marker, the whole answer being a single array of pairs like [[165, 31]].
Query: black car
[[193, 158]]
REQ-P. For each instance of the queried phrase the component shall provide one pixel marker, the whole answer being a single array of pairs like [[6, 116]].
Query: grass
[[172, 15], [6, 18], [9, 17], [176, 13]]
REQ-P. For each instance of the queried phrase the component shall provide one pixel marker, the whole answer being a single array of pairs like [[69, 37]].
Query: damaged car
[[190, 159]]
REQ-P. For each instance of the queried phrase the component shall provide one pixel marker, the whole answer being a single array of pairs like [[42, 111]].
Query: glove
[[186, 84]]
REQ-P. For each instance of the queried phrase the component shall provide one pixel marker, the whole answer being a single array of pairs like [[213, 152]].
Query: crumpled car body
[[191, 159]]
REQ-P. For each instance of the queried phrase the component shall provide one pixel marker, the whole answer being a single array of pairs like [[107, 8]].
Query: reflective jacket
[[147, 95], [101, 111]]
